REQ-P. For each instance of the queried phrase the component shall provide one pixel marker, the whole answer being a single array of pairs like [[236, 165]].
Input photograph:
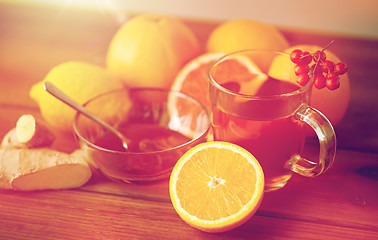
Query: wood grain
[[77, 214]]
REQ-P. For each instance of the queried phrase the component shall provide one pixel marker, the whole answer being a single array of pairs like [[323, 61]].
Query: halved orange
[[216, 186], [193, 77]]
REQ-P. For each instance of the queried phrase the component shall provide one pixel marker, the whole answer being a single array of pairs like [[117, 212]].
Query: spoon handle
[[50, 88]]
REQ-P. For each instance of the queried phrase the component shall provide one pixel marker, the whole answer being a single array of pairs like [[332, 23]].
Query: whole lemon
[[333, 104], [79, 80], [150, 49]]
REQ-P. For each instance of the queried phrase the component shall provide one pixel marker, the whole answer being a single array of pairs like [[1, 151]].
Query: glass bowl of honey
[[160, 125]]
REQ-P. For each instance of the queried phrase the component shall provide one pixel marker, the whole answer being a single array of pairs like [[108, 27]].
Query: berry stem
[[317, 62], [329, 44]]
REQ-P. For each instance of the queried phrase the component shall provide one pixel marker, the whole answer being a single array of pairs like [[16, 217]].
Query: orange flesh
[[221, 187]]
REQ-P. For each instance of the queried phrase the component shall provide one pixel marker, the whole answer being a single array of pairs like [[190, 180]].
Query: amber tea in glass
[[270, 123]]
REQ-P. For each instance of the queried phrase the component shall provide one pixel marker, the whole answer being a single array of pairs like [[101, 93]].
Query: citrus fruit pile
[[154, 50]]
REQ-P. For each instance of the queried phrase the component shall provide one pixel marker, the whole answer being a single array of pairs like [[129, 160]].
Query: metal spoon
[[53, 90]]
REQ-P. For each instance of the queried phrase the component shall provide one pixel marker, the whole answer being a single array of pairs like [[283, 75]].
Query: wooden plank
[[85, 215], [351, 183]]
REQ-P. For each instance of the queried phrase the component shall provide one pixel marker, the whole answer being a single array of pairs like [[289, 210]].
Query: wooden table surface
[[341, 204]]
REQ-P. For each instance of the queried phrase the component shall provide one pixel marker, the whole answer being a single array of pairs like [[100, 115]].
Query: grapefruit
[[149, 50], [193, 77]]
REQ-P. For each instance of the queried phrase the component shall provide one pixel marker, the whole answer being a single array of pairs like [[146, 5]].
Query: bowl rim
[[203, 134]]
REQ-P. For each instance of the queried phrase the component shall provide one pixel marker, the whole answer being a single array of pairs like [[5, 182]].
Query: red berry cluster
[[326, 73]]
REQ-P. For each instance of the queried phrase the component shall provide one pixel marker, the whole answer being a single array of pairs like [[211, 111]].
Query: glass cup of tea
[[257, 104], [160, 125]]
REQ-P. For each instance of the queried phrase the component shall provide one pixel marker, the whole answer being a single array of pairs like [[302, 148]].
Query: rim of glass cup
[[225, 56], [167, 91]]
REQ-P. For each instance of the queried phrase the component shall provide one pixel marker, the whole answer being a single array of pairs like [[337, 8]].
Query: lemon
[[79, 80]]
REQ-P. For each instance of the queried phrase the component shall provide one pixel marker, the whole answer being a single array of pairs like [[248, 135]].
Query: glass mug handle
[[327, 141]]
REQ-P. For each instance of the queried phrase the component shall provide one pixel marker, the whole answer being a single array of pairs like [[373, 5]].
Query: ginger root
[[33, 133], [42, 168], [29, 133], [26, 162]]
